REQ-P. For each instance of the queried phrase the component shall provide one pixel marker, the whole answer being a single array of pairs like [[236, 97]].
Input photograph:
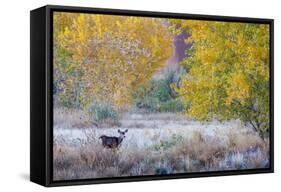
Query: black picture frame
[[41, 110]]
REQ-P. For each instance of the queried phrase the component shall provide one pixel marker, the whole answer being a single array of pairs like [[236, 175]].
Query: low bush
[[158, 96], [166, 144], [172, 105], [102, 113]]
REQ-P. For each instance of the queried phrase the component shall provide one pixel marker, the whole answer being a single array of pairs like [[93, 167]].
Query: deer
[[113, 142]]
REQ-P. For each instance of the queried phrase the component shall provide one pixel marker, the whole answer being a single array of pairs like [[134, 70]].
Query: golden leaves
[[238, 88], [228, 62], [114, 54]]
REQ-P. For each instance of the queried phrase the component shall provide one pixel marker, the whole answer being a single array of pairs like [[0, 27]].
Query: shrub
[[166, 144], [172, 105], [101, 112], [158, 96], [148, 102]]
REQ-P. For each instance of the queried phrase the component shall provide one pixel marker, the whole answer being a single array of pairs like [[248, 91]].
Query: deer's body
[[110, 142], [113, 142]]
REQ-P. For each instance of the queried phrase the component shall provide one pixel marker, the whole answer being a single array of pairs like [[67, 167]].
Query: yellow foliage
[[115, 54], [229, 69], [238, 88]]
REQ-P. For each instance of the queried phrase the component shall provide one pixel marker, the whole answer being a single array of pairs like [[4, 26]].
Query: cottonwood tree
[[109, 56], [227, 71]]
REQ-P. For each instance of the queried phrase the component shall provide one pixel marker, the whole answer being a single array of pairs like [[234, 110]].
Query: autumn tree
[[110, 56], [227, 71], [66, 84]]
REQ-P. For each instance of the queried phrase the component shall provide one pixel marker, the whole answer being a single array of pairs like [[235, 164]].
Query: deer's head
[[122, 133]]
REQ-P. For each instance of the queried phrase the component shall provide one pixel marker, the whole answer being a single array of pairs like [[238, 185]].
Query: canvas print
[[138, 96]]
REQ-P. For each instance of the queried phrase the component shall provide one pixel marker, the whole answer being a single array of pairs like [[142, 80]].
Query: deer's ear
[[118, 130]]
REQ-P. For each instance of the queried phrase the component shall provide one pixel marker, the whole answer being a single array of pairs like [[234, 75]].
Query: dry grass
[[71, 118], [158, 146]]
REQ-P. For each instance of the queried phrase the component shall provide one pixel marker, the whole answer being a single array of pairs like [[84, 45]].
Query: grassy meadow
[[155, 144]]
